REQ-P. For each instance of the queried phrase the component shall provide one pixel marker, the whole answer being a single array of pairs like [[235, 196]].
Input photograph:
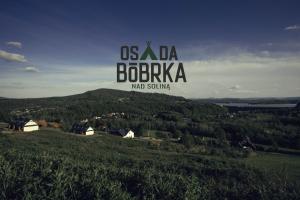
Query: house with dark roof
[[82, 129], [25, 125], [124, 133]]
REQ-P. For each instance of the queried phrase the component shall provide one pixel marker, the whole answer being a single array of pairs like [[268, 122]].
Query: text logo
[[158, 68]]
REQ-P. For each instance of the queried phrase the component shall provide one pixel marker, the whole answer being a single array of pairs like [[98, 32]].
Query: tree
[[187, 140], [177, 134], [220, 133], [140, 130]]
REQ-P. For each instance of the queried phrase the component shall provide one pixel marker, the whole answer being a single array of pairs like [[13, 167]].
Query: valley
[[182, 148]]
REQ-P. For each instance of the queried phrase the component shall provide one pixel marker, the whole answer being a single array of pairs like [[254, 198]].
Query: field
[[50, 164], [288, 165]]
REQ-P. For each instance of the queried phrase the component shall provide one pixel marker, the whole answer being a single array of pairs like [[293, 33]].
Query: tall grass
[[52, 165]]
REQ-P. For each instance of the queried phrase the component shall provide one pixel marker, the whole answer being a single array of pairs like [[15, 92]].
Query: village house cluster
[[114, 115], [82, 128]]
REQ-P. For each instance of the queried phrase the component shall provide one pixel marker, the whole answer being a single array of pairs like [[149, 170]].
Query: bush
[[187, 140]]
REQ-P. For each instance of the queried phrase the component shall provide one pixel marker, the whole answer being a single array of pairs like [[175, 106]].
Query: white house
[[122, 132], [89, 131], [30, 126], [82, 129], [24, 125], [129, 134]]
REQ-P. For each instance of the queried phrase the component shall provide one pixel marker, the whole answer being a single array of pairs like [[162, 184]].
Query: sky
[[229, 48]]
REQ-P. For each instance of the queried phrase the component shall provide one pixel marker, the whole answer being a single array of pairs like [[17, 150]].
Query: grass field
[[50, 164], [285, 164]]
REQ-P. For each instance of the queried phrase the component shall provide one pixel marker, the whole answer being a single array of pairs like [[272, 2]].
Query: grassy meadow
[[284, 164], [51, 164]]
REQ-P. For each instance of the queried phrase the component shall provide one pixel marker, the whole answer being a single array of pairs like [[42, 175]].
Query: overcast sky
[[229, 48]]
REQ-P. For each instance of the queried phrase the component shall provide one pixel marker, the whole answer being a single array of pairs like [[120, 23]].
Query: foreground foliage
[[55, 165]]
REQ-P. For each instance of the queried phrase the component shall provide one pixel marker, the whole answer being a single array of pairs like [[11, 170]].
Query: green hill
[[138, 107], [92, 103], [97, 101]]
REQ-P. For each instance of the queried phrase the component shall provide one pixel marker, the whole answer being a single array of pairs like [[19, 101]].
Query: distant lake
[[279, 105]]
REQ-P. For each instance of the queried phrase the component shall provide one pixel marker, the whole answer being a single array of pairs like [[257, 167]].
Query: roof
[[30, 123], [121, 132], [21, 122], [79, 128]]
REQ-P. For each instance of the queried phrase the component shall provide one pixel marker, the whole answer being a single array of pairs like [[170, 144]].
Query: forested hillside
[[163, 116]]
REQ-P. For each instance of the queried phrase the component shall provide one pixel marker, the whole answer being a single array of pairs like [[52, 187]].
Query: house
[[82, 129], [122, 132], [30, 126], [89, 131], [24, 125]]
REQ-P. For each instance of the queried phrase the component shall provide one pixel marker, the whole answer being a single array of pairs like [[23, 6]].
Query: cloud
[[238, 89], [31, 69], [14, 44], [291, 28], [265, 53], [269, 44], [12, 56], [235, 87]]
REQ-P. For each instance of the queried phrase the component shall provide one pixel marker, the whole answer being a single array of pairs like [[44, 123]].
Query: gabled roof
[[21, 122], [30, 123], [121, 132], [79, 128]]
